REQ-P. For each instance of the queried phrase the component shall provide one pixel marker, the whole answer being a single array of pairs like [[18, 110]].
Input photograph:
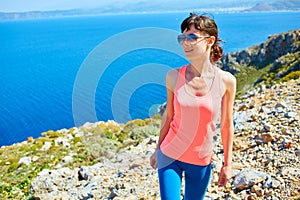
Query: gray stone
[[247, 178], [280, 104], [275, 184], [290, 114], [83, 173]]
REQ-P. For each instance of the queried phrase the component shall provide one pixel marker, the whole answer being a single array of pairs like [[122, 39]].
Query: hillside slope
[[106, 160], [273, 61]]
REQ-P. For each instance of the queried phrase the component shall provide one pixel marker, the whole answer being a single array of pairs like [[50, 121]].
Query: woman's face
[[198, 48]]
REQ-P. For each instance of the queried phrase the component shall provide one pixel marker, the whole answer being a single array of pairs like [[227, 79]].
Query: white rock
[[60, 141], [69, 137], [46, 146], [79, 134], [67, 159], [35, 158], [25, 161]]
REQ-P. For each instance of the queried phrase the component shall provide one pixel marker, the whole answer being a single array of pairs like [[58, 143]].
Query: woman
[[197, 94]]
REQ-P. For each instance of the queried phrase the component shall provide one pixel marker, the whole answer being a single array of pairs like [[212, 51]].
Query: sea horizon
[[41, 60]]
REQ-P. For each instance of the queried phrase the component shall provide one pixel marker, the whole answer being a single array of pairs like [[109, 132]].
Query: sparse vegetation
[[247, 76], [282, 70], [88, 145], [293, 75]]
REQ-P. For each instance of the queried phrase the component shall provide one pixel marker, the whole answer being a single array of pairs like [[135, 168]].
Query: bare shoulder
[[228, 79], [171, 78], [173, 73], [228, 82]]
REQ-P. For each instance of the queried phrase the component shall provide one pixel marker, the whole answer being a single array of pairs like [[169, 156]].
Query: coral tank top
[[190, 136]]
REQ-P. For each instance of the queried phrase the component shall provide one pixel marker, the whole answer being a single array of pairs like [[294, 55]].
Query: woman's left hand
[[225, 175]]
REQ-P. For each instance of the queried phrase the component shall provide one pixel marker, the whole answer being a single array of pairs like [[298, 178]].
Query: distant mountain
[[40, 14], [279, 5], [145, 6]]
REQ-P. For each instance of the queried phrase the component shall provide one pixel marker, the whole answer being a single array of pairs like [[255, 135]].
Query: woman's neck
[[200, 68]]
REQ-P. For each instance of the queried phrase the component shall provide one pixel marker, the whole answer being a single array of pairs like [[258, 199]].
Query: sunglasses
[[191, 38]]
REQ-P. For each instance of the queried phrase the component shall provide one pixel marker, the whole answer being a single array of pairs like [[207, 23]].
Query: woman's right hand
[[153, 160]]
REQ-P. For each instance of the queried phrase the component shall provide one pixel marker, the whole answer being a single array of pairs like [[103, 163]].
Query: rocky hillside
[[106, 160], [266, 158], [273, 61]]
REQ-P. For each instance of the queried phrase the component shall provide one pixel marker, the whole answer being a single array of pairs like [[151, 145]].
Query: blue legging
[[170, 171]]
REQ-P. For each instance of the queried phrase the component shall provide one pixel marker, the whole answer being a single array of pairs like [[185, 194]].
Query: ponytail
[[216, 52]]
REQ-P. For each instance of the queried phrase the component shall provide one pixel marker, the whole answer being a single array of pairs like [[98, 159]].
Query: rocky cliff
[[280, 51]]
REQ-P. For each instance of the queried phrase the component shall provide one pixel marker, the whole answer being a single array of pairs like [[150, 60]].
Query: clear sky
[[42, 5], [30, 5]]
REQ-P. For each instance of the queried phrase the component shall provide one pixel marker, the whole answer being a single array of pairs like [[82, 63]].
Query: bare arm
[[166, 119], [227, 127], [168, 114]]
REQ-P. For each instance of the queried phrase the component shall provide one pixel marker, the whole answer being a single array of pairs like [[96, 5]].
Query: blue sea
[[60, 73]]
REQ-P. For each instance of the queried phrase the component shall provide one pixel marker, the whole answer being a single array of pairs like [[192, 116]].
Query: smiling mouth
[[188, 50]]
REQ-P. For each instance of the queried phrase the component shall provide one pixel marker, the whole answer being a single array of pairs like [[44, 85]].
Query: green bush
[[122, 136], [293, 75], [52, 134]]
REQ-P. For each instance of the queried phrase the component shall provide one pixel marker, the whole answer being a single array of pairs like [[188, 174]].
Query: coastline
[[53, 14], [106, 159]]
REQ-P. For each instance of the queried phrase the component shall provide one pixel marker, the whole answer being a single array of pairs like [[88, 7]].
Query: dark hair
[[207, 25]]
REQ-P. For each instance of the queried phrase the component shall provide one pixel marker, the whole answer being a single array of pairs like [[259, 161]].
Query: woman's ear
[[211, 40]]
